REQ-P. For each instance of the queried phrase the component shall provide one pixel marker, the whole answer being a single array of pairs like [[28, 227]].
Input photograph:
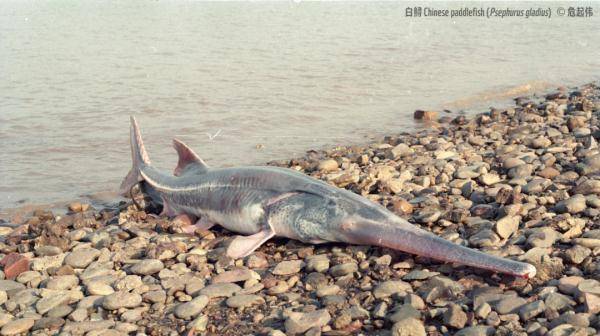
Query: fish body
[[262, 202]]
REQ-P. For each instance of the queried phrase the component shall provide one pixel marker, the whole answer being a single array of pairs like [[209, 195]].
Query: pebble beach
[[521, 182]]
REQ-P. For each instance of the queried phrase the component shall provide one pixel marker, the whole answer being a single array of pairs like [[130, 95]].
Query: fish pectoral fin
[[242, 246]]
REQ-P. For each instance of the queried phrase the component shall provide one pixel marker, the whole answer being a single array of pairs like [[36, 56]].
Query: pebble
[[63, 282], [408, 327], [328, 165], [510, 305], [573, 205], [288, 267], [455, 316], [147, 267], [81, 258], [532, 310], [16, 327], [121, 299], [343, 269], [243, 301], [298, 323], [391, 287], [506, 226], [99, 288], [220, 290], [192, 308], [317, 263]]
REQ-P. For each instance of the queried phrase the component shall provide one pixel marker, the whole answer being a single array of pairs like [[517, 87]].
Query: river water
[[245, 83]]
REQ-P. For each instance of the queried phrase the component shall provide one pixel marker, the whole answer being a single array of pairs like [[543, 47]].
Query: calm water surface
[[227, 78]]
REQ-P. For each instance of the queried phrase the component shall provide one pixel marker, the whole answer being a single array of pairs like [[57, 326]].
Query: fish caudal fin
[[139, 158]]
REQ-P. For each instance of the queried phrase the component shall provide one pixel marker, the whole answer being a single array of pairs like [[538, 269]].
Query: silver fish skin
[[262, 202]]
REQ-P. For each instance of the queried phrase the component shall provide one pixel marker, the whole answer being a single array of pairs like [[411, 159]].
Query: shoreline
[[521, 182]]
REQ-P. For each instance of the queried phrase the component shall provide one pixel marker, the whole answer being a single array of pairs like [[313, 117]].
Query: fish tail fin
[[139, 158]]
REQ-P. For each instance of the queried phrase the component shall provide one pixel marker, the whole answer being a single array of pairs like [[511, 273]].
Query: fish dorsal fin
[[187, 159]]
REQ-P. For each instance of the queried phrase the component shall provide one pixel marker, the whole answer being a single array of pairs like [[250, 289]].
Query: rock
[[489, 179], [220, 290], [568, 285], [121, 299], [455, 316], [591, 303], [288, 267], [80, 328], [14, 264], [483, 310], [476, 331], [577, 254], [256, 261], [404, 312], [317, 263], [402, 207], [425, 115], [328, 165], [328, 290], [510, 305], [511, 162], [558, 302], [543, 237], [59, 311], [548, 172], [51, 323], [16, 327], [81, 258], [343, 269], [573, 205], [99, 288], [47, 250], [400, 150], [5, 318], [298, 323], [520, 171], [237, 275], [243, 301], [147, 267], [508, 225], [408, 327], [44, 304], [587, 187], [391, 287], [532, 310], [63, 282]]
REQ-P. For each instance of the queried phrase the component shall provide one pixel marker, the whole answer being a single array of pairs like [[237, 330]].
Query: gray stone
[[288, 267], [455, 316], [81, 258], [243, 301], [343, 269], [532, 310], [408, 327], [121, 299], [192, 308], [298, 323], [147, 267], [574, 204], [391, 287], [220, 290], [62, 282], [16, 327]]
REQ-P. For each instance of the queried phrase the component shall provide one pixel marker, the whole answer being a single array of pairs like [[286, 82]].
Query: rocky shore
[[521, 182]]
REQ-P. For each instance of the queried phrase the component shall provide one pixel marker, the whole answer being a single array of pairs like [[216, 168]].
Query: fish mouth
[[401, 235]]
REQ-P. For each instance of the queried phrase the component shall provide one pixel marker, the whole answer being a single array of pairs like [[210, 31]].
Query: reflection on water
[[227, 77]]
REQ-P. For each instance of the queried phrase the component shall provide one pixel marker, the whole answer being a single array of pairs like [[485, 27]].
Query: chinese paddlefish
[[262, 202]]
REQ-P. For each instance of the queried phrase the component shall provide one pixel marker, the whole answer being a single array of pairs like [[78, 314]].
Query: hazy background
[[288, 76]]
